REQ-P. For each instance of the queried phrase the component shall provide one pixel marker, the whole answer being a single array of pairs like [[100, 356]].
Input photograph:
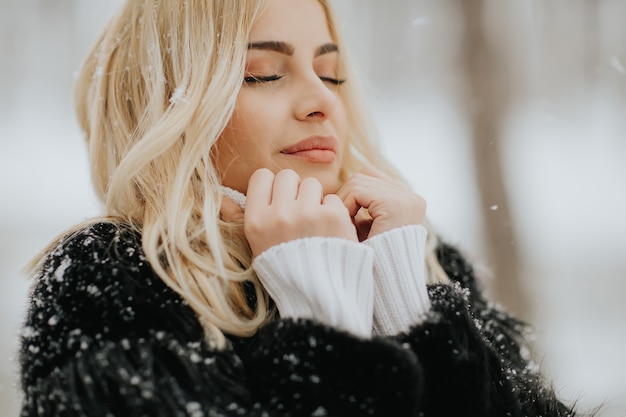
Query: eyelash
[[270, 78], [258, 80], [332, 80]]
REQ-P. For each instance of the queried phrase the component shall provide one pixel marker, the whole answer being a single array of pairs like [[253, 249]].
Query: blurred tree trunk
[[488, 99], [592, 42], [388, 17]]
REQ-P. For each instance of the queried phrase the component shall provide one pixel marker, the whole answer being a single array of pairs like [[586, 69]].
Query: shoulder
[[101, 269], [458, 267], [95, 284], [96, 247], [463, 276], [91, 252], [95, 263], [95, 243]]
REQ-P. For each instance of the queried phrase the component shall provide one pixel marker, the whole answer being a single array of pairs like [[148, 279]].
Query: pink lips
[[317, 149]]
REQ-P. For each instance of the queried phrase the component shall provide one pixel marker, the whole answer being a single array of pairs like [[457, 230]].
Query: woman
[[257, 257]]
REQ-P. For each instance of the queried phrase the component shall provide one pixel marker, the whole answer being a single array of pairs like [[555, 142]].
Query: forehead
[[292, 21]]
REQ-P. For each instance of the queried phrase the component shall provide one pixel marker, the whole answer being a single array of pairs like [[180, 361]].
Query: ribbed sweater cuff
[[400, 294], [326, 279]]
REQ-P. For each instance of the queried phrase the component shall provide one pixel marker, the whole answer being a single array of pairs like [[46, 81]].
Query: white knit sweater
[[375, 287]]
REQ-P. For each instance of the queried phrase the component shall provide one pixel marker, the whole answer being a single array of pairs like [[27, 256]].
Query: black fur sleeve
[[462, 373], [325, 372]]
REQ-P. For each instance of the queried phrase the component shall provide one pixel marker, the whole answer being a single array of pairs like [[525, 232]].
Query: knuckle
[[335, 214], [287, 173], [262, 173], [310, 182]]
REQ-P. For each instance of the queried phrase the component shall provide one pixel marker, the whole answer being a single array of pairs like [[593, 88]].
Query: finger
[[352, 204], [355, 194], [230, 211], [378, 176], [310, 191], [344, 194], [285, 188], [362, 188], [259, 189], [332, 200]]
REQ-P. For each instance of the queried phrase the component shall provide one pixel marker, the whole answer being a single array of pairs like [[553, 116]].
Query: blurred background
[[508, 116]]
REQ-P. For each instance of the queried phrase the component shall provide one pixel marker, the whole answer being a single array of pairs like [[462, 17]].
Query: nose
[[315, 100]]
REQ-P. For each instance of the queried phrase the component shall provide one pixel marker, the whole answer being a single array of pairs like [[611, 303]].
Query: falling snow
[[58, 273], [178, 96]]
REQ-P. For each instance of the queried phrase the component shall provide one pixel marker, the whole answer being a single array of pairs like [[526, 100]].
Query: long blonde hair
[[152, 98]]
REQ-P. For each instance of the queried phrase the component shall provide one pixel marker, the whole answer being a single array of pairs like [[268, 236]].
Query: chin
[[332, 189], [329, 178], [330, 186]]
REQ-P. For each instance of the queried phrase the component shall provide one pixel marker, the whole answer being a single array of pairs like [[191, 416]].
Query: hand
[[282, 207], [230, 211], [379, 203]]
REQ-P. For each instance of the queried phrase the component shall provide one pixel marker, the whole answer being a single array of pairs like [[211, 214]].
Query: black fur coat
[[104, 336]]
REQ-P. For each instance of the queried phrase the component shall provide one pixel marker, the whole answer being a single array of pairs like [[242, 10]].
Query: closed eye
[[331, 80], [257, 79]]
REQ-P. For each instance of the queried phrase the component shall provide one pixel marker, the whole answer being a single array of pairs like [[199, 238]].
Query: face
[[288, 113]]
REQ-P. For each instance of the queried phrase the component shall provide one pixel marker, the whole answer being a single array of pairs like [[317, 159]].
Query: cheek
[[239, 132], [343, 118], [341, 124], [239, 149], [253, 120]]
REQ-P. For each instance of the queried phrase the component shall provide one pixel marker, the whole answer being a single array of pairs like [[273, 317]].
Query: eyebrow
[[287, 49]]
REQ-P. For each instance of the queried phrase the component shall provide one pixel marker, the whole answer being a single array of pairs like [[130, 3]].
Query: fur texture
[[104, 336]]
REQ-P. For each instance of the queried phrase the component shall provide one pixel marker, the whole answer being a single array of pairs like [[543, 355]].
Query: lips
[[316, 149]]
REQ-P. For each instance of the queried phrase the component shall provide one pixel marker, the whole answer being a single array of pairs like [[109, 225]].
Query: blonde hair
[[153, 97]]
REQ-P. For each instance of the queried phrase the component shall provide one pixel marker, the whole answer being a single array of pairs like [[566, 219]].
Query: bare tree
[[591, 40], [487, 102]]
